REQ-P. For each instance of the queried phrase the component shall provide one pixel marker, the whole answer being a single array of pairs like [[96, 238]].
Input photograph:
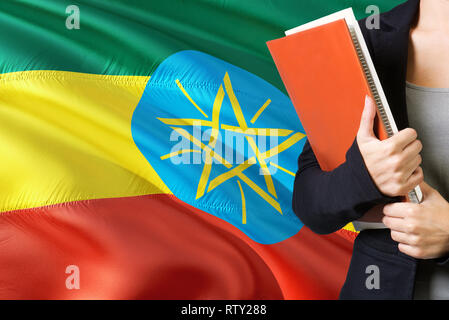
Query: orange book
[[327, 71]]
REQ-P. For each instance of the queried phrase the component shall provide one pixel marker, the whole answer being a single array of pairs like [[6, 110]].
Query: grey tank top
[[428, 114]]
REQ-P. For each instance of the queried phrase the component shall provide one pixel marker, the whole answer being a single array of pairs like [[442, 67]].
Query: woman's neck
[[428, 63]]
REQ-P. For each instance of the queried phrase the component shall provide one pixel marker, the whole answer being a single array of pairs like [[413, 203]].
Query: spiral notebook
[[327, 70]]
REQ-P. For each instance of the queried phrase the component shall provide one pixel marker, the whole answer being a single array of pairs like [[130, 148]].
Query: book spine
[[412, 195]]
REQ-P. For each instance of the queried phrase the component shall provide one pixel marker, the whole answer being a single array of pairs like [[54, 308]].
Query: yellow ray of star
[[259, 112], [173, 154], [283, 146], [207, 123], [212, 141], [185, 122], [234, 102], [243, 203], [281, 168], [205, 148], [263, 166], [230, 174], [188, 97], [258, 131], [260, 192]]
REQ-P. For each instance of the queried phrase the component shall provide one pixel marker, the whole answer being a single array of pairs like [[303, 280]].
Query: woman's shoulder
[[386, 33], [399, 18]]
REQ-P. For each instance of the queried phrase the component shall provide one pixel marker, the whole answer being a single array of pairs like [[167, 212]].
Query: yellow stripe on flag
[[349, 227], [66, 136]]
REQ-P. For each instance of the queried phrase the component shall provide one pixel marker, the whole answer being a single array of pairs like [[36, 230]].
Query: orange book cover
[[322, 73]]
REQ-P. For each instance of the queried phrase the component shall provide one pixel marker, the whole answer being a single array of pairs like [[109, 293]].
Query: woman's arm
[[374, 172], [327, 201]]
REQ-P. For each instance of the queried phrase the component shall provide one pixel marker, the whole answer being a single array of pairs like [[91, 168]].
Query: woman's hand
[[392, 163], [422, 230]]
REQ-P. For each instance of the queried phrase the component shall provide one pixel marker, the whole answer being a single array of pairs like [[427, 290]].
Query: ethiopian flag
[[148, 151]]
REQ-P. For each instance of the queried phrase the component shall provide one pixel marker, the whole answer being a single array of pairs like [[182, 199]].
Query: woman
[[409, 51]]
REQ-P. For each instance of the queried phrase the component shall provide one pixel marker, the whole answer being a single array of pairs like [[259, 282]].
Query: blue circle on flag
[[224, 141]]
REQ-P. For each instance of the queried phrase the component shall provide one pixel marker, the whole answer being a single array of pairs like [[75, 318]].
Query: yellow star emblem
[[260, 158]]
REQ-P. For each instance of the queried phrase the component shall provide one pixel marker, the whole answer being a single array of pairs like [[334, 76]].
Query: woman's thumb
[[367, 121]]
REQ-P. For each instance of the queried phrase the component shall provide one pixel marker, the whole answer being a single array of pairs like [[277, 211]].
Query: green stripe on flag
[[131, 37]]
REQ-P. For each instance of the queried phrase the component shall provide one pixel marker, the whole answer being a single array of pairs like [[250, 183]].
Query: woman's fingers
[[415, 179], [403, 237], [396, 224], [412, 166], [413, 149], [403, 138]]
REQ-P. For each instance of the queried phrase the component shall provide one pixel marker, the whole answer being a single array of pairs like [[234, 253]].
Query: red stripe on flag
[[158, 247]]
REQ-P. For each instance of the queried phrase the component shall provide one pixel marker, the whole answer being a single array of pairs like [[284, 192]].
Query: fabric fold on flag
[[90, 120]]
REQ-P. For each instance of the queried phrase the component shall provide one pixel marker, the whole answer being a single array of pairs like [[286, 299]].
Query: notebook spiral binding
[[413, 197]]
